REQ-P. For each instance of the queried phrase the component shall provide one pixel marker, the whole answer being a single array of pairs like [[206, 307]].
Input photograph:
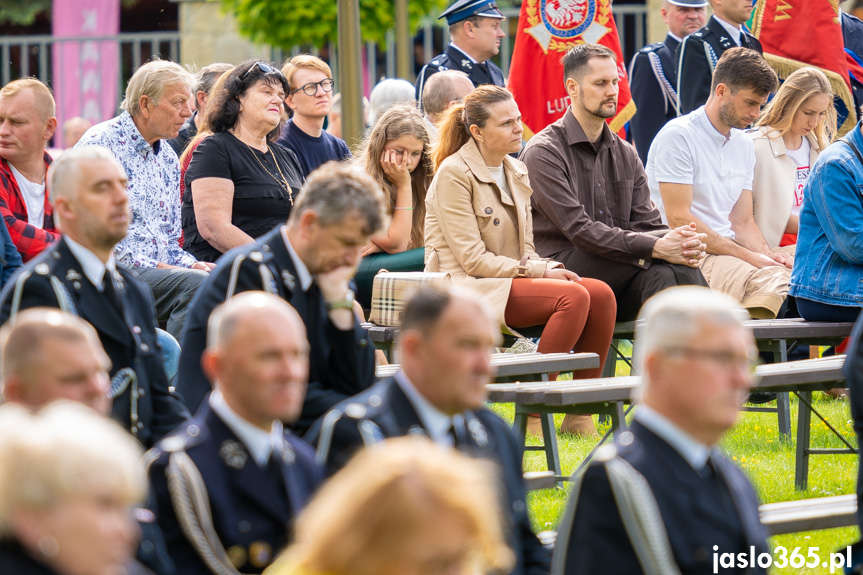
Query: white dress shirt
[[91, 265], [435, 422]]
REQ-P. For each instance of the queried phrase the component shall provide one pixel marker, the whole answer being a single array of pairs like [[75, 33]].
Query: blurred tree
[[21, 13], [286, 23], [24, 12]]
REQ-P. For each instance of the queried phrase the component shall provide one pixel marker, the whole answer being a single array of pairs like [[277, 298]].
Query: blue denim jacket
[[828, 265], [10, 259]]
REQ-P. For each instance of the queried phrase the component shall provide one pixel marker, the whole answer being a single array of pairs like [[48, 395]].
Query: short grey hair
[[151, 79], [64, 173], [388, 93], [63, 451], [674, 316], [22, 338], [439, 91], [335, 190], [224, 319]]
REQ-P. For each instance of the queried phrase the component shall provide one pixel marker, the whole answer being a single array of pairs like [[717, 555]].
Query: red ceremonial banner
[[787, 30], [547, 29]]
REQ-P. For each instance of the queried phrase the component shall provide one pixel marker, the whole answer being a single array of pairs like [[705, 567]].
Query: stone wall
[[208, 35]]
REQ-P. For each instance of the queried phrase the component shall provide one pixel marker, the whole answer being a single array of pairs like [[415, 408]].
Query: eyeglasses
[[265, 68], [311, 88], [724, 359]]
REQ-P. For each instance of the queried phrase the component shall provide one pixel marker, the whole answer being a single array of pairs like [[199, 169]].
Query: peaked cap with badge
[[480, 73]]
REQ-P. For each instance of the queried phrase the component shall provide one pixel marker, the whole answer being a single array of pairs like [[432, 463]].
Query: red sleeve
[[29, 240]]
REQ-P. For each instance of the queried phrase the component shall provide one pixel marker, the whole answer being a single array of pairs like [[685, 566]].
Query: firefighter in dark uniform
[[78, 275], [475, 33], [652, 74], [699, 52]]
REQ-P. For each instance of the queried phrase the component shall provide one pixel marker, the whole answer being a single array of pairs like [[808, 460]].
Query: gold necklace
[[284, 182]]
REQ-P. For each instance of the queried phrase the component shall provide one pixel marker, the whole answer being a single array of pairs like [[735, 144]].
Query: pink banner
[[86, 72]]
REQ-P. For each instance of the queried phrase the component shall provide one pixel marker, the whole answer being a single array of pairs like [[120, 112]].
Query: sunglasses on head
[[265, 68]]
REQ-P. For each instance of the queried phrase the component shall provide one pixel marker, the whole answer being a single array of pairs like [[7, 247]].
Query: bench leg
[[549, 441], [783, 411], [520, 424], [610, 367], [801, 472]]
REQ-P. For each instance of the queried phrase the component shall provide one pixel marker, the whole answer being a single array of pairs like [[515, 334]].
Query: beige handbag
[[390, 292]]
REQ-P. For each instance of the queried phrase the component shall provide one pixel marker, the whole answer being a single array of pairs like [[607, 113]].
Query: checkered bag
[[391, 290]]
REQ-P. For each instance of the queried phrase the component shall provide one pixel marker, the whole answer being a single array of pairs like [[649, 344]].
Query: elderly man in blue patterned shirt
[[158, 101]]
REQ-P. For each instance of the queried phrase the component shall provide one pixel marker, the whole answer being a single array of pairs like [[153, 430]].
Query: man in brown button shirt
[[591, 204]]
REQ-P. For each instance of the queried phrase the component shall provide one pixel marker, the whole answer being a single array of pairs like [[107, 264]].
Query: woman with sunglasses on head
[[479, 229], [310, 100], [240, 183], [397, 155]]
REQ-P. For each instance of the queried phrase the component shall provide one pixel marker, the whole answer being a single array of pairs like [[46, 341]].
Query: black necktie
[[744, 41], [110, 293]]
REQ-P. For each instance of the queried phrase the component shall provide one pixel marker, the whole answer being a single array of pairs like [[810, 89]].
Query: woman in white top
[[798, 123]]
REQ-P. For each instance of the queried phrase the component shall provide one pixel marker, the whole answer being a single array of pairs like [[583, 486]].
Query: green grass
[[755, 445]]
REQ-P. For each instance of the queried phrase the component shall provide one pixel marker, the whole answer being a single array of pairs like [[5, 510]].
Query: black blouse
[[260, 200]]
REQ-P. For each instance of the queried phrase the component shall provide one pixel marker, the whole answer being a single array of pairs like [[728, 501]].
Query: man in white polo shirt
[[700, 169]]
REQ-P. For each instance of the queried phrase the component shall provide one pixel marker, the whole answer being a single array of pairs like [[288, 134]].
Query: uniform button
[[140, 425], [136, 329], [145, 348], [497, 221], [147, 546], [141, 392], [598, 184], [193, 430], [601, 212], [244, 526]]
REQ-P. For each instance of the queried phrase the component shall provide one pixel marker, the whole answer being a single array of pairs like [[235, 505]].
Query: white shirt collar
[[733, 31], [675, 36], [302, 271], [436, 422], [693, 451], [469, 57], [259, 442], [91, 265]]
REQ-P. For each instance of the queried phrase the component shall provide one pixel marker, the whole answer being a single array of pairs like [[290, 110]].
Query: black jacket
[[455, 59], [483, 434], [252, 509], [342, 362], [129, 339], [695, 70], [697, 512], [653, 82]]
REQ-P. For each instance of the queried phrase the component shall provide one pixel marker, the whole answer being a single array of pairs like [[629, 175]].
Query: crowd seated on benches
[[459, 203]]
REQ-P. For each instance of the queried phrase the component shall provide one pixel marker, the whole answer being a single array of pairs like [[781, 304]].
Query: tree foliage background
[[24, 12], [285, 23]]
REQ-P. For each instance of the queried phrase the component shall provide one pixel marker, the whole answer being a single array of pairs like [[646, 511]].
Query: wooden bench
[[788, 516], [609, 395], [778, 336]]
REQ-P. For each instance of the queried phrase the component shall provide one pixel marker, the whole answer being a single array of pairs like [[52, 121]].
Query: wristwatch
[[346, 302]]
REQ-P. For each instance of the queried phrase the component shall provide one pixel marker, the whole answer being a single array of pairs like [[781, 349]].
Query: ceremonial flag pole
[[547, 29], [786, 29]]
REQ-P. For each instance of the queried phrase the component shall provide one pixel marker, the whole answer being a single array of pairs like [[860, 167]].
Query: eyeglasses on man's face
[[311, 88], [722, 358]]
